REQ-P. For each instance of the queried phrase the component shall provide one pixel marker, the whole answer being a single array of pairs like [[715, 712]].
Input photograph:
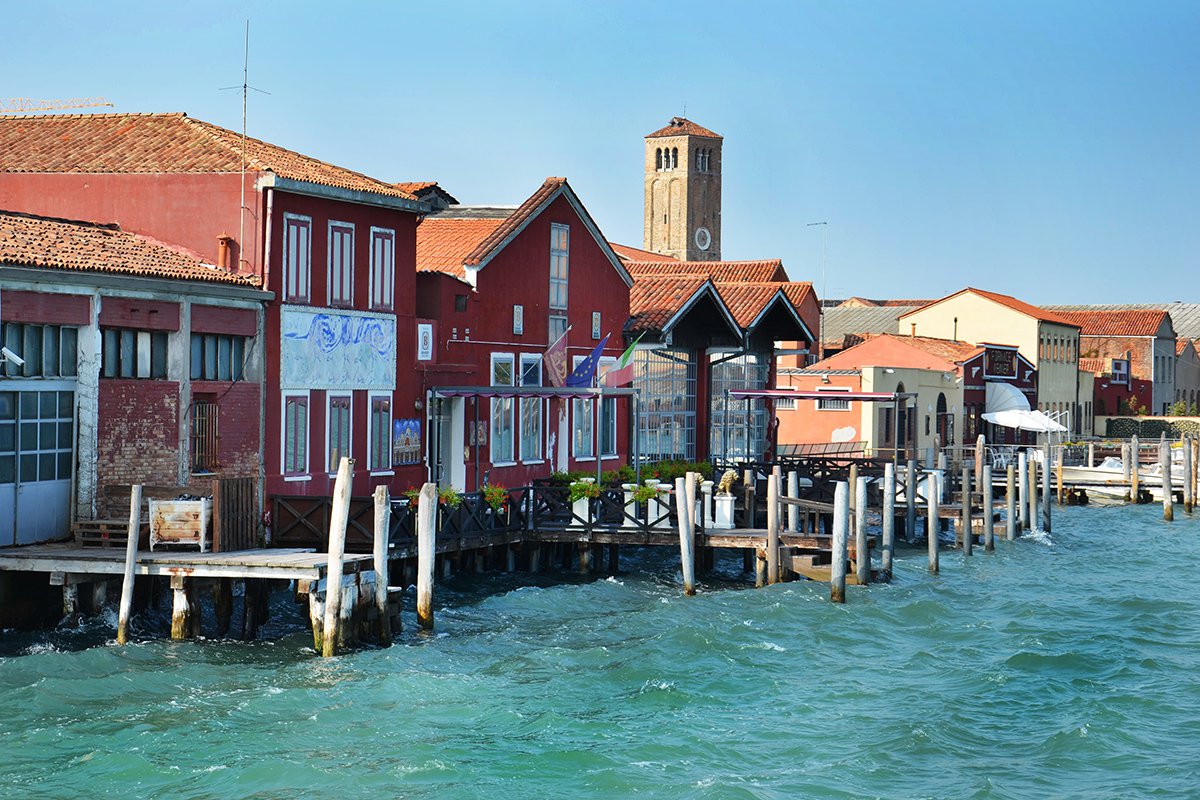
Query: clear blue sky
[[1045, 149]]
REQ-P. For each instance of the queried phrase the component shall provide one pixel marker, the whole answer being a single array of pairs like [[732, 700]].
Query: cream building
[[1043, 337]]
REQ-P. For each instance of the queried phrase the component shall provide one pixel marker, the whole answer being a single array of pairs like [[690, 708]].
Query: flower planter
[[659, 509], [724, 512]]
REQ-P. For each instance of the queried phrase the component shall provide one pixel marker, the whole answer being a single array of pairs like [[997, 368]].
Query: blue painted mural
[[324, 349]]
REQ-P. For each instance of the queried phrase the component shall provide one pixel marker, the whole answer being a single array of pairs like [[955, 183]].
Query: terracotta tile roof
[[514, 221], [719, 271], [160, 143], [1007, 301], [627, 253], [444, 242], [746, 301], [414, 187], [948, 349], [1185, 317], [653, 301], [1097, 366], [33, 241], [681, 126], [1127, 322], [866, 302], [918, 352]]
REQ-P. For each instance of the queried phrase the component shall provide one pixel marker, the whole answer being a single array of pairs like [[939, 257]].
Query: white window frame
[[832, 390], [565, 254], [302, 475], [376, 469], [610, 403], [329, 398], [582, 411], [534, 403], [297, 259], [502, 404], [340, 269], [383, 269]]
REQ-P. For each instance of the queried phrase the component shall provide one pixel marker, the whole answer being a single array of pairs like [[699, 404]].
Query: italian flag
[[621, 372]]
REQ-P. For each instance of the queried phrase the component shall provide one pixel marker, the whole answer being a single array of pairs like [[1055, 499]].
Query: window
[[785, 404], [608, 417], [295, 434], [128, 353], [531, 409], [833, 403], [502, 410], [559, 265], [460, 303], [674, 158], [379, 457], [297, 257], [583, 430], [383, 268], [558, 326], [337, 426], [217, 357], [49, 350], [658, 159], [204, 434], [341, 264], [666, 420], [739, 428]]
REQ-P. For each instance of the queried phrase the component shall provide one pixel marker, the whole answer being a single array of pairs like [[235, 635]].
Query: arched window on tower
[[658, 159], [674, 158], [699, 159]]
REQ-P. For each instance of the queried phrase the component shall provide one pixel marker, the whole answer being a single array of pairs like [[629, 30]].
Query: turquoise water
[[1059, 666]]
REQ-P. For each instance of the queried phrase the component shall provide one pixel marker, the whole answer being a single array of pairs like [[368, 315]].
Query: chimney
[[223, 250], [913, 333]]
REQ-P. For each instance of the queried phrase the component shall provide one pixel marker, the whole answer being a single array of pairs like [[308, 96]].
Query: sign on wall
[[1000, 363], [323, 349], [518, 319], [595, 324], [424, 341], [406, 441]]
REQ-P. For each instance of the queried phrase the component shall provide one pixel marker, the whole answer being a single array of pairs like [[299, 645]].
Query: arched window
[[699, 159], [658, 165], [674, 158]]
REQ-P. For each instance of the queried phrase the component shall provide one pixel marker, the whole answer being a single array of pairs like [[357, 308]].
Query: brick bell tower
[[683, 192]]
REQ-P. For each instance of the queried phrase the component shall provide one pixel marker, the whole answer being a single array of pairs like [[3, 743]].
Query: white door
[[37, 434]]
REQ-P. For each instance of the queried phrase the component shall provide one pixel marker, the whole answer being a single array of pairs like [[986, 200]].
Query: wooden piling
[[1010, 500], [1168, 493], [1195, 470], [910, 499], [1126, 474], [1023, 491], [1032, 493], [968, 536], [852, 483], [760, 569], [1046, 484], [379, 551], [1058, 473], [980, 450], [841, 522], [793, 491], [135, 529], [889, 521], [223, 605], [1135, 451], [1187, 474], [426, 519], [339, 516], [614, 558], [70, 595], [773, 529], [748, 480], [933, 523], [1091, 454], [989, 514], [687, 535], [179, 609], [862, 556]]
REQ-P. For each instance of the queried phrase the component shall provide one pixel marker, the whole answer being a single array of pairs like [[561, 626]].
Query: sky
[[1047, 150]]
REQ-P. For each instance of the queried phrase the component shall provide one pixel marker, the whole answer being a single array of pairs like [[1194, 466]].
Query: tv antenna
[[245, 87]]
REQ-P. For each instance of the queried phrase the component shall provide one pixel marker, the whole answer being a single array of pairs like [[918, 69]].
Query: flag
[[586, 371], [555, 360], [621, 372]]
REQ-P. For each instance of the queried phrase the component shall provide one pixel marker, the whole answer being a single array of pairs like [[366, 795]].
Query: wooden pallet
[[107, 533]]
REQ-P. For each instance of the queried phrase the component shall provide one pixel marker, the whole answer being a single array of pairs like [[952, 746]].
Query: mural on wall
[[322, 349], [406, 442]]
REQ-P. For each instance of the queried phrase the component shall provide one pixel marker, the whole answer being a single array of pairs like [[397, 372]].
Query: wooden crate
[[175, 522], [107, 533]]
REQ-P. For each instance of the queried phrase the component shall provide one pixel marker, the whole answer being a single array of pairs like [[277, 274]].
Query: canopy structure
[[1034, 421], [1004, 397], [529, 391]]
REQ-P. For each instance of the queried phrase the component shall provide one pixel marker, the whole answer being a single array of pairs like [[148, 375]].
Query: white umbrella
[[1025, 421]]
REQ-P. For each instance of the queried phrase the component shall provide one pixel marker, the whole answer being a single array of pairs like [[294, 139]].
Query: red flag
[[555, 361]]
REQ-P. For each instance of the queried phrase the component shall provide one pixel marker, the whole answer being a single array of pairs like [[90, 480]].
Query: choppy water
[[1060, 666]]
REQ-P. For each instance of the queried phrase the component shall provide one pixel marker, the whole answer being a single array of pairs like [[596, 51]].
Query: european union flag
[[585, 373]]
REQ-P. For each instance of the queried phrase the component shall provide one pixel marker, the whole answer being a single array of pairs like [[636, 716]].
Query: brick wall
[[138, 437], [237, 428]]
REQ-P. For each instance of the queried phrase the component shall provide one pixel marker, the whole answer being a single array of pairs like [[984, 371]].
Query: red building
[[496, 286], [334, 247]]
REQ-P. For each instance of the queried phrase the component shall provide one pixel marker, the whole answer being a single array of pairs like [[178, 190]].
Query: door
[[37, 435], [449, 469]]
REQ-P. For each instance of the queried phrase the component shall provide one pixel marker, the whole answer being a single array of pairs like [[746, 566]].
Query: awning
[[776, 394], [1004, 397], [1024, 420], [528, 391]]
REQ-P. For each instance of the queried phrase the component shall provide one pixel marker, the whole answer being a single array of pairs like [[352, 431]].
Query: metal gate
[[37, 435]]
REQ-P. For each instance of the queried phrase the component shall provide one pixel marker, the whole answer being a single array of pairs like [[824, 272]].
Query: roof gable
[[1007, 301], [682, 126]]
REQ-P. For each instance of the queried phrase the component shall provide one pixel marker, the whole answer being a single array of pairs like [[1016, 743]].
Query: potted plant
[[450, 498], [581, 494], [642, 494], [497, 499]]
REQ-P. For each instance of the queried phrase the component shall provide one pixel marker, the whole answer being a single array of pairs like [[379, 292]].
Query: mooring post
[[862, 555], [968, 535], [180, 622], [841, 530], [135, 529], [933, 523], [1058, 473], [1091, 454], [773, 529], [1126, 473], [889, 521], [1023, 491], [339, 516], [687, 535], [383, 518], [942, 467], [1135, 458], [1032, 494], [426, 520], [1164, 460], [980, 450], [1046, 484], [1010, 500], [852, 483], [748, 478], [910, 500], [1195, 469], [1187, 474], [989, 513], [793, 491]]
